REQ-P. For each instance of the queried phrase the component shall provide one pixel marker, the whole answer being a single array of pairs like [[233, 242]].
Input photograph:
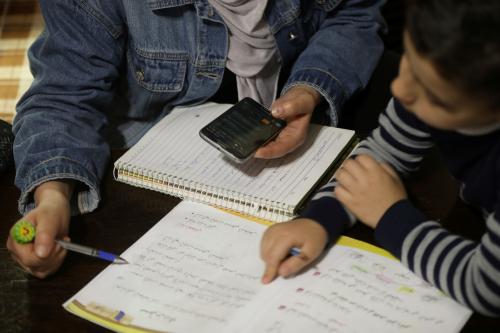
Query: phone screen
[[242, 129]]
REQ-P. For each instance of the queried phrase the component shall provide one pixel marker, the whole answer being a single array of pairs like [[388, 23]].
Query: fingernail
[[275, 112], [42, 251], [285, 273]]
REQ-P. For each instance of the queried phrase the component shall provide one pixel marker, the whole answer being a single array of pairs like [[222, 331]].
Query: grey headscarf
[[253, 54]]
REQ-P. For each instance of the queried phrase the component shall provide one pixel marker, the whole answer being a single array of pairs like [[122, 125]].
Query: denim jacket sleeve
[[58, 122], [341, 56]]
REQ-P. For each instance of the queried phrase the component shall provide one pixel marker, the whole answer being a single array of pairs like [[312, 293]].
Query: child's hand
[[305, 234], [368, 188], [51, 220], [296, 107]]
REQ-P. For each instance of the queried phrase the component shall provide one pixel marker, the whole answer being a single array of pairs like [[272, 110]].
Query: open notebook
[[172, 158], [198, 270]]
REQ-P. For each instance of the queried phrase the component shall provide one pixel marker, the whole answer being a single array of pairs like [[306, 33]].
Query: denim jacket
[[106, 70]]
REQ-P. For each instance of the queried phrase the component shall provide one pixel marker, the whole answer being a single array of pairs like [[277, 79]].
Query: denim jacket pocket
[[158, 71]]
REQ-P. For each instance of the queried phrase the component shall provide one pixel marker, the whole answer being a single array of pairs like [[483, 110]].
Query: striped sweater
[[467, 271]]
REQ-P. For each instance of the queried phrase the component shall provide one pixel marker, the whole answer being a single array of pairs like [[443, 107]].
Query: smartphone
[[242, 129]]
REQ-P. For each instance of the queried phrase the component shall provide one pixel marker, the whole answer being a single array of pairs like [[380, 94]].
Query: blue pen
[[92, 252], [295, 251]]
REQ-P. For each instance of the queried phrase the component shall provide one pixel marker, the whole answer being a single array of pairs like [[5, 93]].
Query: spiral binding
[[187, 189]]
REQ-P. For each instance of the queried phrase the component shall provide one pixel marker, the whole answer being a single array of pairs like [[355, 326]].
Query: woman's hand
[[368, 188], [51, 219], [296, 107]]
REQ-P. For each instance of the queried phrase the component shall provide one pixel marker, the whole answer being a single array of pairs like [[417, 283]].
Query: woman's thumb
[[45, 236], [282, 108]]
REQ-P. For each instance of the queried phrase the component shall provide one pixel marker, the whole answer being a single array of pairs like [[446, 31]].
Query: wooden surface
[[28, 304], [20, 24]]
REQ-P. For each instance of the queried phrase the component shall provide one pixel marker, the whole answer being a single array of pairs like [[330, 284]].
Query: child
[[447, 96]]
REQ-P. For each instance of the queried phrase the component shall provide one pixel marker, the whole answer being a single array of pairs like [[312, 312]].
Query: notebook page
[[352, 290], [198, 270], [190, 273], [173, 147]]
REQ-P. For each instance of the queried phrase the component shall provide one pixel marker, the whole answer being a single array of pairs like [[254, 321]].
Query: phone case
[[242, 129]]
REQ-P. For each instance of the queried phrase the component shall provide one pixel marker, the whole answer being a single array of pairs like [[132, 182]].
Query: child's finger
[[273, 254], [342, 194], [390, 170], [367, 161], [273, 260], [353, 168], [293, 265], [344, 179], [308, 253], [283, 264], [270, 273]]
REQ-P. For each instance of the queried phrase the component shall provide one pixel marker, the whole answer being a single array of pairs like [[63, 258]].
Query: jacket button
[[292, 36], [140, 75]]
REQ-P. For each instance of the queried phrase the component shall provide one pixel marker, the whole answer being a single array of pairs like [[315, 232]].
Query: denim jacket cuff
[[324, 83], [85, 200]]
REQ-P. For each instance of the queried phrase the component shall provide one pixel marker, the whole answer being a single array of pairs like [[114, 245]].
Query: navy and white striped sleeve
[[325, 209], [400, 140], [467, 271]]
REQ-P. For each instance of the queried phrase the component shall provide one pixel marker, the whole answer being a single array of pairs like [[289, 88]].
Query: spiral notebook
[[173, 159]]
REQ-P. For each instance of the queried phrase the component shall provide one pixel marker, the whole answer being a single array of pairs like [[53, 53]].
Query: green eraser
[[23, 232]]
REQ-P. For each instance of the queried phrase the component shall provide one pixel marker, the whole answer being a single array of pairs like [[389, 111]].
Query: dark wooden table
[[28, 304]]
